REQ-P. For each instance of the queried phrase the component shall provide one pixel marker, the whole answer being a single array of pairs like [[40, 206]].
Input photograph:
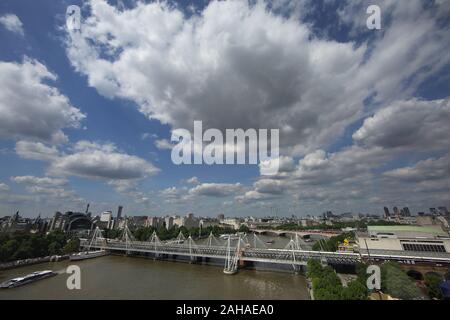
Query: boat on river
[[32, 277], [87, 255]]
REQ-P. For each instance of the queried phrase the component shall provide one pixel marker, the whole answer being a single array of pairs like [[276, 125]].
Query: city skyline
[[363, 114]]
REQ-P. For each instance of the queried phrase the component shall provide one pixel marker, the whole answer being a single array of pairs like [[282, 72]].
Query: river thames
[[120, 277]]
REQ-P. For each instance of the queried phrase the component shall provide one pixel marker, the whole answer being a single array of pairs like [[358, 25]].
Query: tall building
[[106, 220], [119, 212], [386, 212], [154, 222], [190, 221], [406, 212], [169, 222]]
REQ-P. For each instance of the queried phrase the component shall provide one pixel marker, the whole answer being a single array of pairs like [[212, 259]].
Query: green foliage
[[19, 246], [332, 243], [395, 282], [111, 233], [327, 285], [72, 246], [355, 290], [432, 281], [244, 228]]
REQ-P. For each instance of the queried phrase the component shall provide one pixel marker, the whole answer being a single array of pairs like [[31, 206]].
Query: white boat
[[231, 236], [87, 255], [32, 277]]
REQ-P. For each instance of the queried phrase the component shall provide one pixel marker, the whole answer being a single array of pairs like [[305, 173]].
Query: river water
[[120, 277]]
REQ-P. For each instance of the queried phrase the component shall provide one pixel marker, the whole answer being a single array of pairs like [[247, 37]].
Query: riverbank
[[27, 262]]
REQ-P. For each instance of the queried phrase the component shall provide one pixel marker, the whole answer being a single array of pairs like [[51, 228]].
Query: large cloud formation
[[101, 161], [236, 65], [40, 111], [239, 65]]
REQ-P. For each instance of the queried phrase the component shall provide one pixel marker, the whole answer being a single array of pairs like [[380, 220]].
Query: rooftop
[[408, 228]]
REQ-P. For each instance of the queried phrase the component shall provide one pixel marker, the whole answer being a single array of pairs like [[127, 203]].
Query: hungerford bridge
[[238, 250]]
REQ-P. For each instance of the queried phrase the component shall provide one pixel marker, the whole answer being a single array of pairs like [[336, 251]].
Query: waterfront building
[[233, 223], [205, 223], [106, 220], [190, 221], [137, 221], [404, 238], [72, 222], [16, 223], [154, 222]]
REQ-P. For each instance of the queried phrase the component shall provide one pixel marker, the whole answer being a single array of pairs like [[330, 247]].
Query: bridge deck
[[277, 256]]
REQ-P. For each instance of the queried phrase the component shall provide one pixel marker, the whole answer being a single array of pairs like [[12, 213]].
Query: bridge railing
[[247, 253]]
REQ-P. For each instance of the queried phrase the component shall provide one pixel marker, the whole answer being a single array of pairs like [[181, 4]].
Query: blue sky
[[363, 114]]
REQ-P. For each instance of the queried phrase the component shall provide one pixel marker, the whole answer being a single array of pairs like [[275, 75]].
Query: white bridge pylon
[[212, 241], [233, 254], [293, 245], [96, 236], [127, 237]]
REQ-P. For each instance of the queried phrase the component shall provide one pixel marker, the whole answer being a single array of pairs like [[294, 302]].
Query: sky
[[86, 116]]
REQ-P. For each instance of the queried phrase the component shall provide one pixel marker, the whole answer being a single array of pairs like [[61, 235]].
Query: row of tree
[[18, 246], [327, 285]]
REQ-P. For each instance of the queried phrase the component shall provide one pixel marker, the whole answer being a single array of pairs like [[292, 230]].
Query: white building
[[106, 218], [405, 238], [169, 222]]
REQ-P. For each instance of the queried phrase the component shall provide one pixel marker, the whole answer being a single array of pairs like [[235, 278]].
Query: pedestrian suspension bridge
[[238, 250]]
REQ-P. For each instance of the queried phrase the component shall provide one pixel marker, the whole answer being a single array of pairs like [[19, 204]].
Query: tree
[[355, 290], [244, 228], [72, 246], [396, 282], [432, 281], [9, 248], [54, 248]]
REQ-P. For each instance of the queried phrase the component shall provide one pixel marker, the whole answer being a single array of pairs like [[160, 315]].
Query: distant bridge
[[239, 251], [327, 234]]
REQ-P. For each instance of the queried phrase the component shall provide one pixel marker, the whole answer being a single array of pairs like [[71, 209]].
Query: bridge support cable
[[257, 240], [155, 243], [232, 257], [181, 238], [97, 235], [212, 240], [292, 246], [192, 247], [297, 242], [127, 237]]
